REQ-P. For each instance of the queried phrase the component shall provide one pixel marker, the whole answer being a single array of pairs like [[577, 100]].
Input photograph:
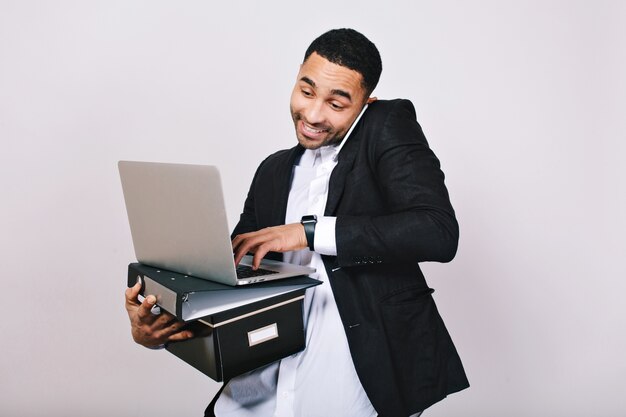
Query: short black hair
[[350, 49]]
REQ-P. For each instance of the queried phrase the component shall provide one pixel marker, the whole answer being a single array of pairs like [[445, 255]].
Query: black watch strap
[[309, 223]]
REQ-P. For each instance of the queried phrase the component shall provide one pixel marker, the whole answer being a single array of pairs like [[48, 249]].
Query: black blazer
[[393, 211]]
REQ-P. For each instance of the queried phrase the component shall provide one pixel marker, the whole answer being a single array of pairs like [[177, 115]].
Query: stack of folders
[[237, 328]]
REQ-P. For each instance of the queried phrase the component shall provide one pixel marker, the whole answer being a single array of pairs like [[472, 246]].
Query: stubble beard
[[334, 138]]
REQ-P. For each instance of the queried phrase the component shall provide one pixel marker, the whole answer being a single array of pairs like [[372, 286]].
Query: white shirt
[[321, 380]]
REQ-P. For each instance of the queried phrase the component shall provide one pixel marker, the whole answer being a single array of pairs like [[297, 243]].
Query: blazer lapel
[[282, 183], [344, 165]]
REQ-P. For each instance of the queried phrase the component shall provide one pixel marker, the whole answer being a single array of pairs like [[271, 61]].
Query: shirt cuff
[[324, 241]]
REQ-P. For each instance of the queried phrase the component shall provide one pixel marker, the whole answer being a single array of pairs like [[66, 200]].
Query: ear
[[371, 100]]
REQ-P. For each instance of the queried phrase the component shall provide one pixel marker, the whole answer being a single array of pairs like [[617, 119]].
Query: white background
[[523, 102]]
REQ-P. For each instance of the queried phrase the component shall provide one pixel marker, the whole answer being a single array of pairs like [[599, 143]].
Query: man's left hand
[[283, 238]]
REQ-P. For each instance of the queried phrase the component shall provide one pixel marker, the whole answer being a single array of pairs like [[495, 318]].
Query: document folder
[[190, 298]]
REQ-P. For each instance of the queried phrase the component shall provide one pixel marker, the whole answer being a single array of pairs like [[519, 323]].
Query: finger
[[237, 252], [249, 244], [260, 253], [132, 293], [166, 320], [131, 301], [239, 239], [180, 336], [155, 330], [236, 241], [238, 255], [164, 333], [144, 311]]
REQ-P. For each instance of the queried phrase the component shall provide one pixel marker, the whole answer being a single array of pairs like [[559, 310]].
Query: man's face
[[325, 101]]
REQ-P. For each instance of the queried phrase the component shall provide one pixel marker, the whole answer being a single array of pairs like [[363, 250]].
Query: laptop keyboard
[[245, 271]]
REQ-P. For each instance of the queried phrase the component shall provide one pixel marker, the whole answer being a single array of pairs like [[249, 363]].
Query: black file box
[[244, 336]]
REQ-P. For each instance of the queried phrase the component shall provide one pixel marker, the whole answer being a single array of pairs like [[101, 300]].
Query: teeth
[[308, 129]]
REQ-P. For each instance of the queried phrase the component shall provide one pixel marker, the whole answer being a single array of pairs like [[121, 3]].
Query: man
[[376, 344]]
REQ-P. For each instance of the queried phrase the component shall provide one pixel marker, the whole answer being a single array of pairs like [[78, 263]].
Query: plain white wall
[[522, 101]]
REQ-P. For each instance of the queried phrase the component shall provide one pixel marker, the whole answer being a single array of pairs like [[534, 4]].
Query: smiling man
[[325, 101], [362, 199]]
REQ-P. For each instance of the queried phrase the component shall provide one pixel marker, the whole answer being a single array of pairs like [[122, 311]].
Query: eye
[[307, 93], [336, 106]]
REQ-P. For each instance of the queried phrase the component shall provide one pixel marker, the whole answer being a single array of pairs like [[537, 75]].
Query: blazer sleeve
[[418, 222]]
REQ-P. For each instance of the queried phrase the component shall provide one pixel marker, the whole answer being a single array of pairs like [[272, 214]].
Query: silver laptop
[[178, 222]]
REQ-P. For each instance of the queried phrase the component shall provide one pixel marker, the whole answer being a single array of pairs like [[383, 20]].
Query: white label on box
[[263, 334]]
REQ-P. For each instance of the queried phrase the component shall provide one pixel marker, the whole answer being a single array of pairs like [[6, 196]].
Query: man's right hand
[[149, 329]]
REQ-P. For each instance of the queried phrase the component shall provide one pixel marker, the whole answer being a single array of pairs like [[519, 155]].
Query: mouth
[[312, 132]]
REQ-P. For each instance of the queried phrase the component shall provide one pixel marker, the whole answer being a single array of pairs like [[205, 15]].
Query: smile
[[312, 130]]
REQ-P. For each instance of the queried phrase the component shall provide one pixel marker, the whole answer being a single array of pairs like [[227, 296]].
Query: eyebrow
[[335, 92]]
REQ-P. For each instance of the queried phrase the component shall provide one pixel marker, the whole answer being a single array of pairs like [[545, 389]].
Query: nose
[[314, 112]]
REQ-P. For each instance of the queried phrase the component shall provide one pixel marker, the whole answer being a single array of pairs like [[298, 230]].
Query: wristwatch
[[309, 222]]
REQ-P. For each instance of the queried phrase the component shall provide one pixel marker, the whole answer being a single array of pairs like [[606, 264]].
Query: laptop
[[178, 222]]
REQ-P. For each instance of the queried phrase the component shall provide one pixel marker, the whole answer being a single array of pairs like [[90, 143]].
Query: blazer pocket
[[410, 320], [407, 295]]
